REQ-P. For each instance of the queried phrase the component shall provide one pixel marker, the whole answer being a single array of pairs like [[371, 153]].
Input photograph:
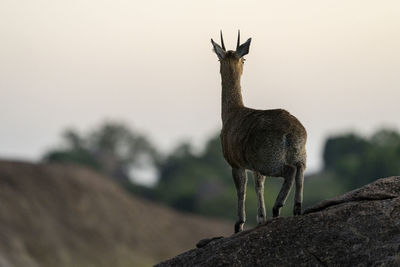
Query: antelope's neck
[[231, 95]]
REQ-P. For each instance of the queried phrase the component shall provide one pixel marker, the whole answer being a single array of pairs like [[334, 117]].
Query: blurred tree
[[383, 158], [357, 161], [343, 155], [185, 178], [113, 149]]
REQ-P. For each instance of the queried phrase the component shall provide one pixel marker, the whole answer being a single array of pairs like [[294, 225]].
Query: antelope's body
[[267, 142], [263, 140]]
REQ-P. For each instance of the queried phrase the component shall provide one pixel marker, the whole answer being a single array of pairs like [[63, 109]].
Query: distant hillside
[[65, 215]]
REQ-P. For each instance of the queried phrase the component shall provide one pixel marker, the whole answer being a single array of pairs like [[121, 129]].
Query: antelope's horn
[[222, 42], [238, 41]]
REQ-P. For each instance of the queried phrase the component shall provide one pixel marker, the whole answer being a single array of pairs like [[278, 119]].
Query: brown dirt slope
[[360, 228], [64, 215]]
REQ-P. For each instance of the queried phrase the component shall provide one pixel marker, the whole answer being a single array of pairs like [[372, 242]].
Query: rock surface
[[359, 228]]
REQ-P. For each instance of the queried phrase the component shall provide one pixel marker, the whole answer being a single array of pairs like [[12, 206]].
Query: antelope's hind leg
[[289, 173], [298, 198], [259, 180], [240, 179]]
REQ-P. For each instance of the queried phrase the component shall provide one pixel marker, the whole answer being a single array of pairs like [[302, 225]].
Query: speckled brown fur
[[268, 142]]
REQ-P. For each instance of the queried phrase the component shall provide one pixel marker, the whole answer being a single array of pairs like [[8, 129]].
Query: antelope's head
[[231, 61]]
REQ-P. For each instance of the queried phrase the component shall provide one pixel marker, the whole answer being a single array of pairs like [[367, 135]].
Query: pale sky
[[333, 64]]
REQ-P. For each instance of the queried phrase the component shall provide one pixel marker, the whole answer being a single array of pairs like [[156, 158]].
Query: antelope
[[266, 142]]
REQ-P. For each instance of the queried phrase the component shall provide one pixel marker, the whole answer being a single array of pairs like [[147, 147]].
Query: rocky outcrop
[[359, 228]]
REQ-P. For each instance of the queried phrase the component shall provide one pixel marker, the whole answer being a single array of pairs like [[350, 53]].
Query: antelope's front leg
[[240, 179]]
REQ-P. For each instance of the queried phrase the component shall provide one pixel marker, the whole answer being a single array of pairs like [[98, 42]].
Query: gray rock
[[359, 228]]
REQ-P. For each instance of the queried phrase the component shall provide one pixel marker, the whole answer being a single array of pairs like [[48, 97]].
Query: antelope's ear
[[243, 49], [218, 50]]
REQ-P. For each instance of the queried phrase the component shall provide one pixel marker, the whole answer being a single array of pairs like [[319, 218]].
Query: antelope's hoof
[[276, 211], [239, 226], [261, 219], [297, 209]]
